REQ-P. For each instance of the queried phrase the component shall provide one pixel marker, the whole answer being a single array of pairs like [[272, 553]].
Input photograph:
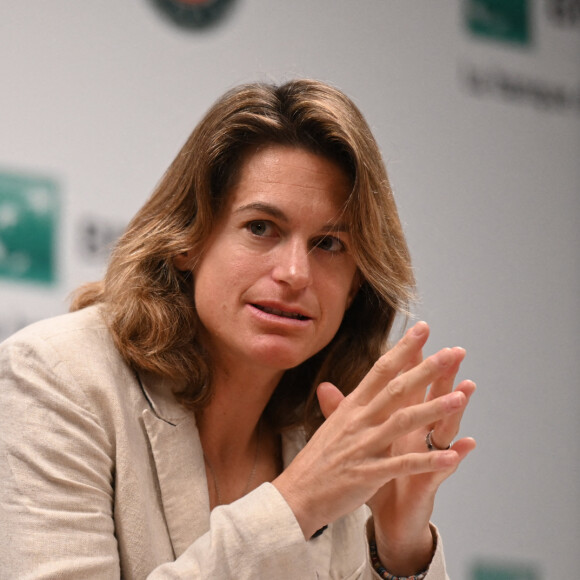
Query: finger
[[462, 447], [409, 419], [329, 397], [447, 428], [419, 396], [444, 384], [403, 389], [416, 359], [388, 366], [445, 462]]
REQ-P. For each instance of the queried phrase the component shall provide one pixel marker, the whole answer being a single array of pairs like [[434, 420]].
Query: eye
[[330, 244], [260, 228]]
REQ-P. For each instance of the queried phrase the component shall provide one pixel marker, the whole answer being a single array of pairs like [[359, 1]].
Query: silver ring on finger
[[431, 446]]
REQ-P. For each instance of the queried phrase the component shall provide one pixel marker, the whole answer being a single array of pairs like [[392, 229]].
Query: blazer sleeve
[[56, 497], [255, 537]]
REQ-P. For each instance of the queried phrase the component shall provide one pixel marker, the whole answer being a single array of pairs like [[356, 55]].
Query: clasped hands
[[371, 449]]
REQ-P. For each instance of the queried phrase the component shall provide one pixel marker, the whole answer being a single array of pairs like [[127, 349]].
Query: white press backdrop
[[482, 141]]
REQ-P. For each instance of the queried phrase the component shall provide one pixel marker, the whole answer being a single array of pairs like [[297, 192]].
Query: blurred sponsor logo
[[518, 88], [98, 237], [564, 13], [194, 14], [546, 79], [503, 20], [504, 571], [29, 209]]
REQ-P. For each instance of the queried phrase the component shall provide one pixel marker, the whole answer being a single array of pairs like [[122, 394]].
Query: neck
[[240, 451], [228, 425]]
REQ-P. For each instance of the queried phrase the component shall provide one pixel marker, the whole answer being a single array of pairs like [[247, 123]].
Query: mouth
[[282, 313]]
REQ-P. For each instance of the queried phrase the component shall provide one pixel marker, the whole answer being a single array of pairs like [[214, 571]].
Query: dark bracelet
[[382, 572]]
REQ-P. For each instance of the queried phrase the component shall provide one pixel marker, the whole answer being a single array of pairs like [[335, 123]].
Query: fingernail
[[420, 328], [444, 357], [455, 400], [471, 384]]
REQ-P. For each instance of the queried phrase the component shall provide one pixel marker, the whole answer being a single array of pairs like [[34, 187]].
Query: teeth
[[293, 315]]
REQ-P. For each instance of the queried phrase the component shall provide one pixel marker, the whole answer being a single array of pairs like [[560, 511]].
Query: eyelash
[[253, 223], [250, 226], [341, 247]]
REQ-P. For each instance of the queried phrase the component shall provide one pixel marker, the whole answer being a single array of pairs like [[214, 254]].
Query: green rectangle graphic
[[504, 571], [29, 208], [503, 20]]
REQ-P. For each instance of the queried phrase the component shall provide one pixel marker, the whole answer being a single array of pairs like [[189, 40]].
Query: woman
[[220, 407]]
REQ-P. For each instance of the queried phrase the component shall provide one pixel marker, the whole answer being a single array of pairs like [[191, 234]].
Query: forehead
[[284, 174]]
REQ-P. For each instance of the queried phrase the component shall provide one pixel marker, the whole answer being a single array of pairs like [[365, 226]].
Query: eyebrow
[[277, 213], [267, 208]]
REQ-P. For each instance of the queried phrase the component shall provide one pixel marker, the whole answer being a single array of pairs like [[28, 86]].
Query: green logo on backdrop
[[28, 216], [194, 14], [503, 20], [496, 571]]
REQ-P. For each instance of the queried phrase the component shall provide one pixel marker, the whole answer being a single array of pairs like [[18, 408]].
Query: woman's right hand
[[364, 444]]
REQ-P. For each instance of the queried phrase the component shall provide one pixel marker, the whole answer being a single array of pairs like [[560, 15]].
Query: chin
[[281, 357], [281, 361]]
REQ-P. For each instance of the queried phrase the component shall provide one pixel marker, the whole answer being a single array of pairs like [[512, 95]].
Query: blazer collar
[[179, 463]]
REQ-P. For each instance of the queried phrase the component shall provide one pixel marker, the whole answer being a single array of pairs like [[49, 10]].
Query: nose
[[292, 265]]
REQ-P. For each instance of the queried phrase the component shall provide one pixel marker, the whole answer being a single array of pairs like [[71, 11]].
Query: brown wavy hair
[[149, 303]]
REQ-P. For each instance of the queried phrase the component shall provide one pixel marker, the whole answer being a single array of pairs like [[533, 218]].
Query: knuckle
[[396, 389], [353, 422], [432, 366], [403, 420], [405, 463], [384, 365], [351, 426], [433, 461]]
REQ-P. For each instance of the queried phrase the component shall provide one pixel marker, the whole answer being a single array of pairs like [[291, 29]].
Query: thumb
[[329, 397]]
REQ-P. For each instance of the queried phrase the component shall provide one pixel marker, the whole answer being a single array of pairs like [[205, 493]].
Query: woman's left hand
[[402, 508]]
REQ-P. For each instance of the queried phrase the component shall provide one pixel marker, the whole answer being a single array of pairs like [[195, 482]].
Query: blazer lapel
[[179, 464]]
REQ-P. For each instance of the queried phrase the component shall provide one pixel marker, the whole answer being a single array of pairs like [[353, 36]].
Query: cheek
[[357, 282], [222, 276], [337, 295], [348, 280]]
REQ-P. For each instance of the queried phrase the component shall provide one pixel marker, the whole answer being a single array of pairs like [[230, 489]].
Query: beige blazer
[[102, 476]]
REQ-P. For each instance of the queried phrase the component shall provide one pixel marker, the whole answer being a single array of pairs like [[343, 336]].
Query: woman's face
[[276, 276]]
